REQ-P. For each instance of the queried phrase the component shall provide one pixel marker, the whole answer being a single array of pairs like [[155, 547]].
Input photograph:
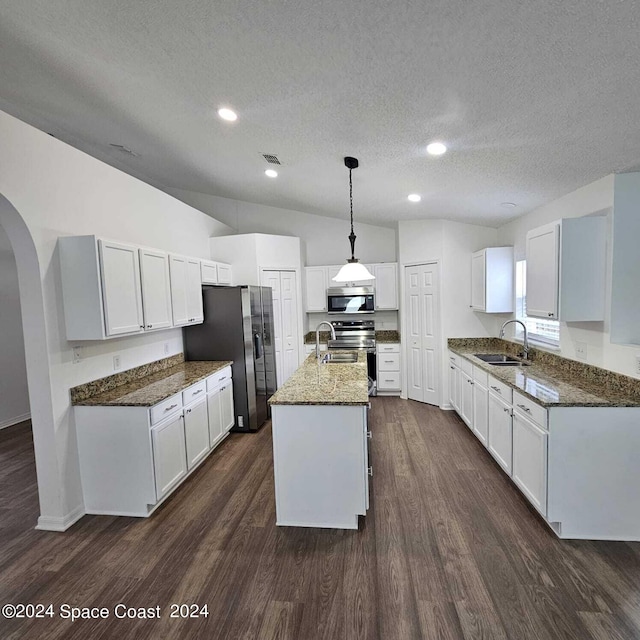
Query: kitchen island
[[320, 450]]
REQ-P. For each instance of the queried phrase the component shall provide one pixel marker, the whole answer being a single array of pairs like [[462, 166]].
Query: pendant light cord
[[352, 236]]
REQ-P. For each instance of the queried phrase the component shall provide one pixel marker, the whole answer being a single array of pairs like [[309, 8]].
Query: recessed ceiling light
[[414, 197], [272, 173], [509, 205], [436, 149], [227, 114]]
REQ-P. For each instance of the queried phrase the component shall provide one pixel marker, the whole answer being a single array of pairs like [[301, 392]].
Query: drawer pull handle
[[452, 368], [388, 361], [173, 406], [506, 410], [389, 380], [188, 410], [142, 326], [221, 379], [370, 471], [497, 389], [195, 393], [149, 326], [525, 408]]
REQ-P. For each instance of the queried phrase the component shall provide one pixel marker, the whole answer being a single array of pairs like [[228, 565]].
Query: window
[[539, 329]]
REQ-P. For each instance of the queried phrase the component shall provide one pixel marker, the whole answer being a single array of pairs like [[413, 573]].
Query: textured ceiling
[[534, 99]]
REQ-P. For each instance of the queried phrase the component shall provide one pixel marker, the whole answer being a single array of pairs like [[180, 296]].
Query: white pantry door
[[285, 321], [423, 329]]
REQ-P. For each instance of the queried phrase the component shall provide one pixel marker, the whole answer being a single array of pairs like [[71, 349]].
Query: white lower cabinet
[[196, 432], [500, 431], [466, 399], [169, 454], [481, 412], [388, 380], [530, 460], [132, 458]]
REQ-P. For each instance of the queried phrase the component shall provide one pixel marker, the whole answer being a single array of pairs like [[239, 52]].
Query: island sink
[[501, 360], [340, 358]]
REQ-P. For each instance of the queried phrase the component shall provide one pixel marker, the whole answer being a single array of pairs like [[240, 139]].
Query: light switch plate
[[116, 363], [581, 350], [77, 354], [166, 348]]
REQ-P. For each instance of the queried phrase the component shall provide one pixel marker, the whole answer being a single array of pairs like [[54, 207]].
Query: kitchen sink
[[501, 360], [340, 358]]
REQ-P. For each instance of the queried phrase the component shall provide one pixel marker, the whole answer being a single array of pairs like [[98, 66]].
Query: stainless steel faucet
[[525, 342], [333, 336]]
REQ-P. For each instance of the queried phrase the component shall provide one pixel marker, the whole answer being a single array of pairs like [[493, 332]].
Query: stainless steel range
[[358, 335]]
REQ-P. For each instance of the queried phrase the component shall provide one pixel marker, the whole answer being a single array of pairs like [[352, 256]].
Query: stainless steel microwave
[[348, 300]]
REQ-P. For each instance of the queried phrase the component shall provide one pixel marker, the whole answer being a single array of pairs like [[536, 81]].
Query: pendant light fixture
[[353, 270]]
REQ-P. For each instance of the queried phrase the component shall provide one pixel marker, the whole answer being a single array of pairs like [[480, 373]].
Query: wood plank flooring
[[449, 550]]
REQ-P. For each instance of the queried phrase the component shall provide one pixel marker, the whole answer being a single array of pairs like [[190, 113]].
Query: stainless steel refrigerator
[[238, 326]]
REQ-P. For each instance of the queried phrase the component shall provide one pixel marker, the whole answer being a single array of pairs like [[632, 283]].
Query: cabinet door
[[500, 432], [178, 274], [480, 412], [454, 374], [316, 281], [196, 431], [208, 272], [194, 291], [386, 284], [224, 273], [156, 289], [543, 255], [478, 281], [169, 454], [214, 407], [466, 399], [530, 460], [121, 295], [226, 407]]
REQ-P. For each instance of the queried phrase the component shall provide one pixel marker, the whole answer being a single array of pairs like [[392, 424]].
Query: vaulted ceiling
[[534, 99]]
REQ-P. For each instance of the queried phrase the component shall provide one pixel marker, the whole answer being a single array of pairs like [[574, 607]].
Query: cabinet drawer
[[480, 376], [164, 409], [194, 392], [388, 348], [501, 389], [454, 359], [466, 366], [389, 362], [533, 411], [389, 380], [217, 378]]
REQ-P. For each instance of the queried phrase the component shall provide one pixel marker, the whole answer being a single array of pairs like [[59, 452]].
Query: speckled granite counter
[[552, 381], [326, 384], [148, 390], [382, 335]]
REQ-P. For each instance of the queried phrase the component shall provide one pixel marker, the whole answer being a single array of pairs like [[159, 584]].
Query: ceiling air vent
[[123, 149], [271, 159]]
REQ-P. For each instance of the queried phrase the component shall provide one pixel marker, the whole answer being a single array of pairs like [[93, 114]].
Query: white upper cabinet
[[156, 289], [121, 293], [386, 285], [625, 292], [319, 279], [186, 290], [316, 288], [492, 280], [215, 272], [566, 270]]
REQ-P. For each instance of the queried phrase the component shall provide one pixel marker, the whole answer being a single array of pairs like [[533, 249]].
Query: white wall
[[14, 396], [59, 190], [324, 240], [593, 199], [450, 243]]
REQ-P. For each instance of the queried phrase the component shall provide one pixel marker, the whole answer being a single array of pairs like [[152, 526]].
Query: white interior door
[[422, 313], [289, 315], [285, 320]]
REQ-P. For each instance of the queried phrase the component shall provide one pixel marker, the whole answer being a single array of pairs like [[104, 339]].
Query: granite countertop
[[551, 383], [154, 388], [326, 384], [382, 335]]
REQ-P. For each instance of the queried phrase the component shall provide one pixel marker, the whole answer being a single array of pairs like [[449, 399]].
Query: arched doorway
[[50, 493]]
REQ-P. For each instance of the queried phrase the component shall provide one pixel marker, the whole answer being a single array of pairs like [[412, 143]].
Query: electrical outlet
[[77, 354], [116, 363], [581, 350], [241, 421], [166, 348]]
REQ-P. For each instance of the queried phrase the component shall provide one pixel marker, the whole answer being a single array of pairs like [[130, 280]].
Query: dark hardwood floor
[[449, 550]]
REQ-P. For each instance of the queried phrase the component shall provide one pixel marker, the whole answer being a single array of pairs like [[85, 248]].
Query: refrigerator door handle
[[258, 345]]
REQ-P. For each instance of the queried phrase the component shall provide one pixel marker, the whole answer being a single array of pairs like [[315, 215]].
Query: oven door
[[349, 302]]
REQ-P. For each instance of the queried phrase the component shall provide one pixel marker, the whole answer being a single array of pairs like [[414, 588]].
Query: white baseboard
[[49, 523], [11, 421]]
